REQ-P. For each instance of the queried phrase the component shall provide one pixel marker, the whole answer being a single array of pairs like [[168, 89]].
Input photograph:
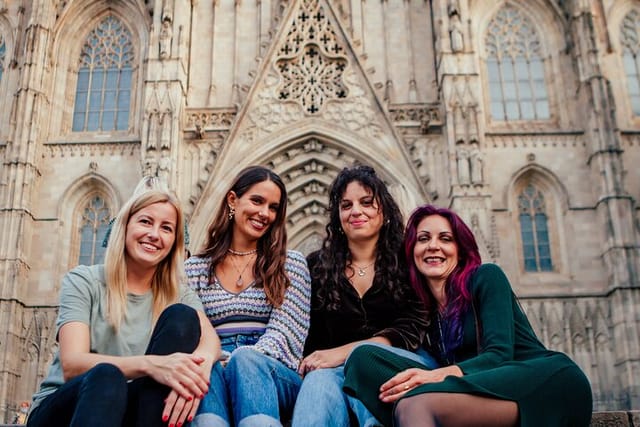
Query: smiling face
[[360, 214], [436, 251], [150, 235], [255, 211]]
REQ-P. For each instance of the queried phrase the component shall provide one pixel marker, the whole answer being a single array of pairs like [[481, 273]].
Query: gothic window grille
[[515, 68], [630, 30], [311, 61], [3, 54], [534, 230], [93, 227], [103, 91]]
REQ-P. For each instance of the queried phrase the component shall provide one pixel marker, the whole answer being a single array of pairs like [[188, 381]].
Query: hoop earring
[[232, 212]]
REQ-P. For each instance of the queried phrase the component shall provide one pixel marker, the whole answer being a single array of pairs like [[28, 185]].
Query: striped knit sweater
[[284, 329]]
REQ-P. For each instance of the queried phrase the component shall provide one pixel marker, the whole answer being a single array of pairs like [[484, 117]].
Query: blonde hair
[[169, 272]]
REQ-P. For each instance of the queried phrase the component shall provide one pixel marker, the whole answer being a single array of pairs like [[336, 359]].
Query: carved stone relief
[[311, 60], [307, 169], [158, 130]]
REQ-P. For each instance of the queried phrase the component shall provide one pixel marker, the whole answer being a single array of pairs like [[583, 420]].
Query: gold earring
[[232, 212]]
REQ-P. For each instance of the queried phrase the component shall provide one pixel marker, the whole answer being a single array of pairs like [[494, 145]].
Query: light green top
[[83, 298]]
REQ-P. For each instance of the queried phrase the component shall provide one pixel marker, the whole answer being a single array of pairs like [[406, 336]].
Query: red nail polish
[[190, 418], [201, 396], [165, 418], [189, 399], [171, 425], [179, 424]]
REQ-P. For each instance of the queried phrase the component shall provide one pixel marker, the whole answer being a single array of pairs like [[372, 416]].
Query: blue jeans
[[102, 396], [253, 389], [322, 403]]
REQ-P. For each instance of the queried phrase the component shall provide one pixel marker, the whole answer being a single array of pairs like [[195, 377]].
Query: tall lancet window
[[93, 227], [534, 230], [3, 54], [103, 92], [631, 57], [515, 68]]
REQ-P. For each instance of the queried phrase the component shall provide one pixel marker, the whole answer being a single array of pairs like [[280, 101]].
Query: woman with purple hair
[[494, 370]]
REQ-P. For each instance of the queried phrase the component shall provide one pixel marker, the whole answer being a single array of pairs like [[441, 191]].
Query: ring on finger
[[406, 387]]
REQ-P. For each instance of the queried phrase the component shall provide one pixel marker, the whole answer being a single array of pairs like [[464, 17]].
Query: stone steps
[[600, 419]]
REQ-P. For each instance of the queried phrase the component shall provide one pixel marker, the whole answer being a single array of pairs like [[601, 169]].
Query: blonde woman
[[135, 347]]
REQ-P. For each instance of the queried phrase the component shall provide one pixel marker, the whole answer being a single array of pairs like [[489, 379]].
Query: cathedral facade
[[521, 115]]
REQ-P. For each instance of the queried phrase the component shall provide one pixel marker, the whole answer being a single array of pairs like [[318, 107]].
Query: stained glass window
[[103, 91], [3, 54], [630, 30], [534, 230], [93, 227], [515, 68]]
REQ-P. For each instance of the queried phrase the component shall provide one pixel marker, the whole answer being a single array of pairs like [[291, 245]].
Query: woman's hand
[[323, 359], [408, 379], [178, 410], [182, 372]]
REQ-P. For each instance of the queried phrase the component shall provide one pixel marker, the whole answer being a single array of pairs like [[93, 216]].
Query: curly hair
[[269, 269], [457, 284], [335, 256]]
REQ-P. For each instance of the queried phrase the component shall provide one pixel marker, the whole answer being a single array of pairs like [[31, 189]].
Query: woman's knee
[[179, 316], [412, 408], [106, 380], [105, 372]]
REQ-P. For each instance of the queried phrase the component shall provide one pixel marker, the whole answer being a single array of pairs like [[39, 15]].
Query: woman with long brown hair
[[256, 294]]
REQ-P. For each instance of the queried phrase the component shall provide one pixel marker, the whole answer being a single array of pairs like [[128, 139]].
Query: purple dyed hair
[[456, 286]]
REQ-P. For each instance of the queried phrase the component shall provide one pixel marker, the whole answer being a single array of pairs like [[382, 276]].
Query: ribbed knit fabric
[[284, 329]]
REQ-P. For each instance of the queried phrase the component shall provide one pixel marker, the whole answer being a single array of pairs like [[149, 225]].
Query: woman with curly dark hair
[[360, 293]]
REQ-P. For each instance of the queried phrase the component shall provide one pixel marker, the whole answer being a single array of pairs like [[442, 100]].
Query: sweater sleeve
[[289, 324], [410, 325], [493, 299]]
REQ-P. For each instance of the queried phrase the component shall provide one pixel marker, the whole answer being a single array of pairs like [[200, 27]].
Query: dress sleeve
[[410, 325], [493, 299], [288, 325]]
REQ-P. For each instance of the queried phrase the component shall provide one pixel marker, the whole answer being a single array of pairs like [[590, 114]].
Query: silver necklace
[[240, 282], [362, 270], [241, 253]]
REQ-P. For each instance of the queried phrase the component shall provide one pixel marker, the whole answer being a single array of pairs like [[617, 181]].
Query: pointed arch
[[307, 156], [86, 207], [515, 68], [100, 51], [538, 201], [103, 86], [518, 60]]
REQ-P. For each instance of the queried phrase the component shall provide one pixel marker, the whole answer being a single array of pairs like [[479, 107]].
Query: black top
[[375, 314]]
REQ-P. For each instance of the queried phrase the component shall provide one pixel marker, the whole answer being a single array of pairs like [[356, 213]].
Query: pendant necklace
[[362, 270], [240, 282]]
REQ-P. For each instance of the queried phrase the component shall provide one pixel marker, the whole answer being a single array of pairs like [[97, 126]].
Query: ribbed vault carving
[[307, 169]]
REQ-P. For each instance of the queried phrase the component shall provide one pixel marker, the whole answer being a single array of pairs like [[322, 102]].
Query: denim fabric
[[322, 403], [251, 388]]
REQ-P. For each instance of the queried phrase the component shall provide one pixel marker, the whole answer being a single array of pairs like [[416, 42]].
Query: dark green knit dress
[[549, 388]]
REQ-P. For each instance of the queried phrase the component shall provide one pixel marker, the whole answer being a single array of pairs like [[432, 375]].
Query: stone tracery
[[311, 61]]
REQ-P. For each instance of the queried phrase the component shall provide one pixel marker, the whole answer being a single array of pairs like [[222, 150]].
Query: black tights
[[454, 409]]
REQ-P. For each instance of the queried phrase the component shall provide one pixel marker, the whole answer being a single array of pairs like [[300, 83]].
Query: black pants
[[102, 396]]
